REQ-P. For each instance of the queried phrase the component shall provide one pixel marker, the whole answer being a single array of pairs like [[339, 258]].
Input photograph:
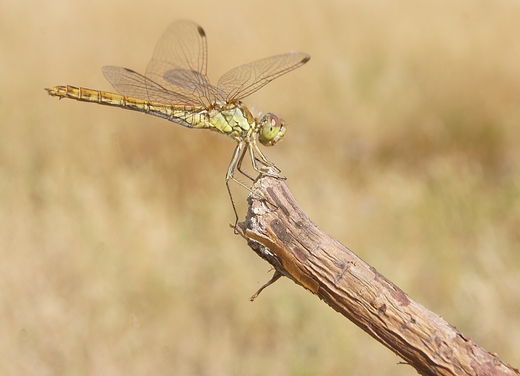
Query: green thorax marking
[[232, 119]]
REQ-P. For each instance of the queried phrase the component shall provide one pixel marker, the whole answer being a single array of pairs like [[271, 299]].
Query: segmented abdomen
[[188, 115]]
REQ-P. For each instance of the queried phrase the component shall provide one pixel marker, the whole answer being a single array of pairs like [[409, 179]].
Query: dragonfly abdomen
[[187, 115]]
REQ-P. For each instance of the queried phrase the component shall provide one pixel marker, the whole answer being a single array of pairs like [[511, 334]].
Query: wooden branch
[[279, 231]]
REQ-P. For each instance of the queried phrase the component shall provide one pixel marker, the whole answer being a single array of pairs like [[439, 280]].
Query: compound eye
[[271, 130]]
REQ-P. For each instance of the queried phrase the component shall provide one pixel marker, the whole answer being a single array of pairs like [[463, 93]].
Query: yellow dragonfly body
[[175, 87]]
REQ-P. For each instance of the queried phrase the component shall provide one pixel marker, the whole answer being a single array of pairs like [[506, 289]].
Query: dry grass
[[117, 258]]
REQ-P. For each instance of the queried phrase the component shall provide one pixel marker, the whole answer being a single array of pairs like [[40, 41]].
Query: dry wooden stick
[[279, 231]]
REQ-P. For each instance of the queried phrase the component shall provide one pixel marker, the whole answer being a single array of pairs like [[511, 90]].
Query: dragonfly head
[[271, 129]]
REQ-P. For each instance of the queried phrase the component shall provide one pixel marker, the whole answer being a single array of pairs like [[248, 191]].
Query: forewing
[[130, 83], [192, 81], [244, 80], [179, 63]]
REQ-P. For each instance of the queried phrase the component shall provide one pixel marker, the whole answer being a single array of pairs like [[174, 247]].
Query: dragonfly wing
[[133, 84], [130, 83], [244, 80], [179, 62], [191, 80]]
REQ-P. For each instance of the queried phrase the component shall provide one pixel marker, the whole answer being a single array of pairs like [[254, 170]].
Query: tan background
[[116, 257]]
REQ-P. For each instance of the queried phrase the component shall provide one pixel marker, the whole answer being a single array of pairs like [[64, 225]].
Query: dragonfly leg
[[263, 159], [239, 164], [238, 156], [254, 151]]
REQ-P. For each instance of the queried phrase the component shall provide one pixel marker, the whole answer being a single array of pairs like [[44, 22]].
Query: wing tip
[[201, 31]]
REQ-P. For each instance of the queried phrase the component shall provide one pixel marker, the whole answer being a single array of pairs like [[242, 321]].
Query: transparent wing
[[177, 72], [130, 83], [193, 81], [179, 63], [244, 80]]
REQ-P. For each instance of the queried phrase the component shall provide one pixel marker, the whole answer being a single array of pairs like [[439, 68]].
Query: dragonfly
[[176, 87]]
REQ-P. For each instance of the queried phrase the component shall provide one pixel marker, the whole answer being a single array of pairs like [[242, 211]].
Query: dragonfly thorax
[[233, 119]]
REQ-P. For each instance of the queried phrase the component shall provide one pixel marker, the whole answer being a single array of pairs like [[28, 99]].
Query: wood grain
[[280, 232]]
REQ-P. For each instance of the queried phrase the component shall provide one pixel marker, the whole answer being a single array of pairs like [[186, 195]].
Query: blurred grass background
[[116, 254]]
